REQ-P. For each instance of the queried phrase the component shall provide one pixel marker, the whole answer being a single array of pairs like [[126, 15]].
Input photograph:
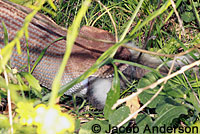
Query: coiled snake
[[42, 32]]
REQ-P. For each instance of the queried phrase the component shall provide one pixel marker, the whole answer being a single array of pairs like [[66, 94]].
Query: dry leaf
[[133, 105]]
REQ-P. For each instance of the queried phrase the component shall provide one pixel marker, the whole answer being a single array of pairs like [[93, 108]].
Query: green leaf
[[174, 90], [171, 89], [196, 124], [168, 112], [77, 124], [115, 119], [113, 95], [3, 83], [142, 121], [148, 79], [52, 4], [188, 17], [18, 47], [192, 99], [4, 122], [23, 2], [5, 33], [18, 87], [43, 52], [94, 126], [31, 80], [188, 7], [5, 53], [147, 94]]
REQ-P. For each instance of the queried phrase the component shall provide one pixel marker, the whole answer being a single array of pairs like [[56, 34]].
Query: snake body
[[42, 32]]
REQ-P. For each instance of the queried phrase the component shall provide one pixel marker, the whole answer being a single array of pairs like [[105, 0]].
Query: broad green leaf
[[148, 79], [147, 94], [94, 126], [174, 90], [187, 16], [167, 113], [115, 119], [170, 89], [113, 95], [142, 121]]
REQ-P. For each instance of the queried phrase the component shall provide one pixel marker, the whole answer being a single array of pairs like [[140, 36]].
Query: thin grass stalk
[[131, 20], [151, 17], [71, 37]]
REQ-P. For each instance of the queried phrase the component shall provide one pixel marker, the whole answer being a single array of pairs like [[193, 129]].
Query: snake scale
[[43, 31]]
